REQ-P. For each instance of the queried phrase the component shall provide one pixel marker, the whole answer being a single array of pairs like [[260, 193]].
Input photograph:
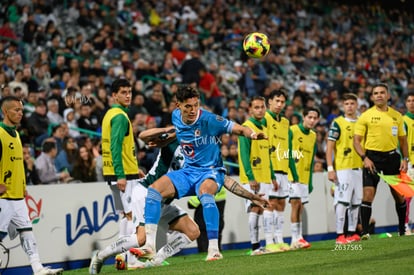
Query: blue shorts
[[187, 181]]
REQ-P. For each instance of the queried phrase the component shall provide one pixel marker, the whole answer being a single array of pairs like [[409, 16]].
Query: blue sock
[[153, 206], [211, 215]]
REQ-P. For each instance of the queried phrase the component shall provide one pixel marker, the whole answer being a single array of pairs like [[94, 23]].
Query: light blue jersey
[[201, 141]]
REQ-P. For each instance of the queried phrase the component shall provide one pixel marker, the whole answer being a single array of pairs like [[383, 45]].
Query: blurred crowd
[[60, 58]]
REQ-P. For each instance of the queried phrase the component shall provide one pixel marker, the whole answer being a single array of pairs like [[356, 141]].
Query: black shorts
[[386, 162]]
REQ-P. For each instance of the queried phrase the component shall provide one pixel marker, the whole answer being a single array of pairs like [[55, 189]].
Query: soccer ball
[[256, 44]]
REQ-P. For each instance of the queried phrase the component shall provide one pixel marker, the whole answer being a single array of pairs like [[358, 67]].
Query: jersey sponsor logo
[[347, 151], [204, 140], [7, 175], [188, 149], [256, 161], [13, 158], [107, 163], [375, 119]]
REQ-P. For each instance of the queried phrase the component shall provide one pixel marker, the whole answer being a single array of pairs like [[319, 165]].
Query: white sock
[[130, 228], [300, 230], [353, 212], [28, 243], [294, 227], [340, 211], [213, 245], [279, 220], [254, 227], [130, 258], [175, 242], [123, 227], [151, 235], [268, 226], [121, 245]]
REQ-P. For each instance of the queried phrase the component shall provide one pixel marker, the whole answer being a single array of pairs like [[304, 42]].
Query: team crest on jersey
[[188, 149], [219, 118], [197, 132]]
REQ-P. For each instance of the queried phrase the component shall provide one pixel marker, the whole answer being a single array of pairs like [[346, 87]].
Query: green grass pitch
[[380, 255]]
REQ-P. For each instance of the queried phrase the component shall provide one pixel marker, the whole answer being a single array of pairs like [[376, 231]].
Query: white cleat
[[213, 255], [49, 271], [96, 264]]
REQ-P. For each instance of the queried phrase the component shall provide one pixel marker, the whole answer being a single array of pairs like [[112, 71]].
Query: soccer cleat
[[274, 248], [284, 246], [300, 244], [121, 262], [96, 264], [213, 255], [341, 239], [146, 252], [353, 238], [408, 230], [260, 251], [365, 237], [49, 271]]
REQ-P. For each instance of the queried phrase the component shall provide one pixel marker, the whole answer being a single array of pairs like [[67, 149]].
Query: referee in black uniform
[[381, 128]]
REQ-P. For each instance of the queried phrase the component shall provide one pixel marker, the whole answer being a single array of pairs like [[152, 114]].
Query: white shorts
[[14, 217], [265, 188], [124, 197], [139, 193], [299, 191], [283, 190], [349, 187], [169, 212]]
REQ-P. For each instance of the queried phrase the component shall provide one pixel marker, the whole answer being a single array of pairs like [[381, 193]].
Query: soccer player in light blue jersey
[[198, 132]]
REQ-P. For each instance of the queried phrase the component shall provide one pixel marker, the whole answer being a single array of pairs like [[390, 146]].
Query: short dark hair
[[9, 98], [408, 95], [307, 110], [256, 97], [186, 92], [48, 146], [118, 83], [277, 93], [349, 96], [384, 85]]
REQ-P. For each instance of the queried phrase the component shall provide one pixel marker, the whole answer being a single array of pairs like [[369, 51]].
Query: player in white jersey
[[347, 171]]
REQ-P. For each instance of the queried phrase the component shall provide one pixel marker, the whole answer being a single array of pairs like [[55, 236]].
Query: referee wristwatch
[[406, 159]]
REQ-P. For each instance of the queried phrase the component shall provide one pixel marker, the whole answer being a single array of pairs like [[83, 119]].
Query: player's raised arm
[[247, 132], [158, 137]]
